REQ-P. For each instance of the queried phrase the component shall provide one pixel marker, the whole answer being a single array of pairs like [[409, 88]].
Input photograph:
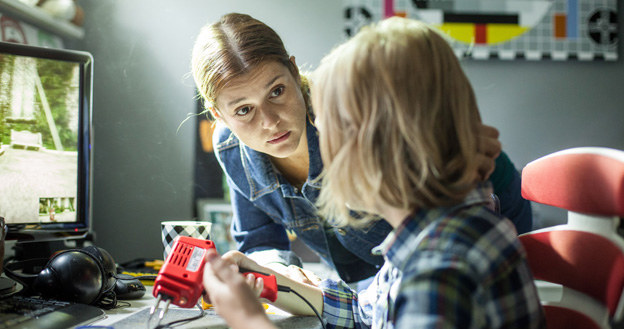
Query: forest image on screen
[[39, 109]]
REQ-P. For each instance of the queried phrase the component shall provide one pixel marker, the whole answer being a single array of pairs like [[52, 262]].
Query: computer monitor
[[45, 142]]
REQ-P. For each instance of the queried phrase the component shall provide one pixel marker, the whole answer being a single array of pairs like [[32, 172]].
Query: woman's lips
[[280, 138]]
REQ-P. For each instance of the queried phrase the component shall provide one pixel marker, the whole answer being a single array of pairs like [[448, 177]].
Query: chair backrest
[[586, 254], [587, 180], [583, 261]]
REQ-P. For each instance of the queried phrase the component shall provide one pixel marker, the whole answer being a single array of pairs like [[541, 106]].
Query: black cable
[[123, 304], [172, 323], [136, 263], [108, 299], [14, 270], [288, 289], [279, 288]]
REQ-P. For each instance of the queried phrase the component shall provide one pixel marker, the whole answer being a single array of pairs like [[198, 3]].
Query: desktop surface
[[17, 312], [136, 315]]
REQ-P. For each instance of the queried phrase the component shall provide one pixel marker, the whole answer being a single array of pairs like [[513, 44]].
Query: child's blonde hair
[[398, 121]]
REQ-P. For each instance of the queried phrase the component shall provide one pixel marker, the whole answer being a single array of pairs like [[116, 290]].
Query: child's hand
[[296, 273], [232, 295], [489, 149], [241, 260]]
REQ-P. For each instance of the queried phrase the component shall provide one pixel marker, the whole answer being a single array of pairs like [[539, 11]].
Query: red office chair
[[579, 265]]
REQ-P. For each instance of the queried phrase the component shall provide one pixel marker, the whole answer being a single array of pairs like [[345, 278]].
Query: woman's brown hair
[[233, 46]]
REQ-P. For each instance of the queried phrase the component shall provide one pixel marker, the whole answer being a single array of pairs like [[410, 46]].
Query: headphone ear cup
[[107, 262], [72, 275]]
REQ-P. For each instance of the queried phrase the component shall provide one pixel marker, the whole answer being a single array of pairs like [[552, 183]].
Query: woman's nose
[[270, 117]]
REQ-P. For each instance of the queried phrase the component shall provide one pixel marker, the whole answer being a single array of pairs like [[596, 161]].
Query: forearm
[[291, 302], [274, 256], [287, 301]]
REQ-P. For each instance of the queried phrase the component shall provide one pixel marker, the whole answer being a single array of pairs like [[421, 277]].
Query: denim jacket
[[265, 205]]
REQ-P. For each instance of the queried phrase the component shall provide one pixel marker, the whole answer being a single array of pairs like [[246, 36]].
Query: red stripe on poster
[[481, 33]]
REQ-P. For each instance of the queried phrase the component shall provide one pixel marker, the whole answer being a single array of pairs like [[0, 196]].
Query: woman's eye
[[243, 111], [277, 91]]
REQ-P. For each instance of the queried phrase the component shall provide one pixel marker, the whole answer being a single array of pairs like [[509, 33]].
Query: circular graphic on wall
[[602, 27], [355, 18]]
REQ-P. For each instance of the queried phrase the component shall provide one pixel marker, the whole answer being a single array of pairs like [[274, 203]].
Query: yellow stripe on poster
[[496, 33], [462, 32], [504, 32]]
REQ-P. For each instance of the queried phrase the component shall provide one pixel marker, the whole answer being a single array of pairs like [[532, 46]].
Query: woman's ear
[[214, 112], [295, 69]]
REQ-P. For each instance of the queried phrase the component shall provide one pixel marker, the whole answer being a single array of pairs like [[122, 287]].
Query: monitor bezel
[[37, 232]]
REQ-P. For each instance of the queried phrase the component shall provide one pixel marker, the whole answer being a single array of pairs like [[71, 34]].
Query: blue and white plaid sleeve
[[343, 308]]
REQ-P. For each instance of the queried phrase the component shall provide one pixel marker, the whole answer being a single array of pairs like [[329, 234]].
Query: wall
[[142, 92], [543, 107]]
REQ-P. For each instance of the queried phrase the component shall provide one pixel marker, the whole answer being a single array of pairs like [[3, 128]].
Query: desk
[[135, 316]]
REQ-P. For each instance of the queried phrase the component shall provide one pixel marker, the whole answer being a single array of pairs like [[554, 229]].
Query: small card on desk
[[139, 319]]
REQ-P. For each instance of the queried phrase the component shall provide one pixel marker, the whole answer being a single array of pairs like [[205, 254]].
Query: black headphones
[[85, 275]]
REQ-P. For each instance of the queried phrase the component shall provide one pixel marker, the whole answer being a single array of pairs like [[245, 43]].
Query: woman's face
[[265, 109]]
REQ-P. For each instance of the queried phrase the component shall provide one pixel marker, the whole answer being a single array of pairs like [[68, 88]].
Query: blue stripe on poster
[[572, 19]]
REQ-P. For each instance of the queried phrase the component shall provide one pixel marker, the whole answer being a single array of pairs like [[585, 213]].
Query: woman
[[451, 262], [267, 145]]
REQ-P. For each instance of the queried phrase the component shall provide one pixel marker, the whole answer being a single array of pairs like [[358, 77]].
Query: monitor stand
[[40, 249], [39, 252]]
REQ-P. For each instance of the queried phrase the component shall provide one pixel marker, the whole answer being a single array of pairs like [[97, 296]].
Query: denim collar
[[262, 176], [314, 151]]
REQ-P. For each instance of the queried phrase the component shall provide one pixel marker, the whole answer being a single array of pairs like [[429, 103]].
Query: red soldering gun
[[179, 281]]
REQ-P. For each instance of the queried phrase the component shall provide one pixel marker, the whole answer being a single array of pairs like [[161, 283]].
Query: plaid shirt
[[460, 266]]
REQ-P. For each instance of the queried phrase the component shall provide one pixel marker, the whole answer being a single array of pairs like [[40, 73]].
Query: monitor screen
[[45, 142]]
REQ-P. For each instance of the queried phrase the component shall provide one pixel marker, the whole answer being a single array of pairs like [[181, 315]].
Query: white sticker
[[197, 257]]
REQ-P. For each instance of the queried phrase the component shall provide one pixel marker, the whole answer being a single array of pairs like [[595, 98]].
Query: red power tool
[[179, 281]]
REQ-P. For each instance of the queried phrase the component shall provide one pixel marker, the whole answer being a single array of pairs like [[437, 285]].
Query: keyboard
[[18, 312]]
